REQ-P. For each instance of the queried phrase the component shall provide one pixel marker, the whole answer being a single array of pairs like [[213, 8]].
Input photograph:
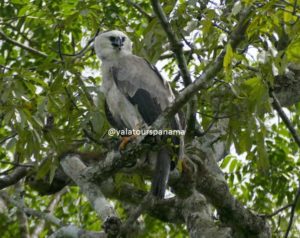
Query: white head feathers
[[111, 44]]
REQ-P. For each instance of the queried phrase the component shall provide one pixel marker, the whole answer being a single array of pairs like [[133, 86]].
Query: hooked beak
[[118, 43]]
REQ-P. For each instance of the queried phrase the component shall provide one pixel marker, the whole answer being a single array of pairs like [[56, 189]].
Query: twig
[[203, 133], [218, 117], [17, 17], [293, 209], [277, 211], [285, 119], [174, 41], [48, 217], [59, 45], [220, 27], [295, 7], [84, 49], [192, 106], [16, 43], [15, 29], [140, 9], [51, 206], [17, 164], [83, 87], [7, 138]]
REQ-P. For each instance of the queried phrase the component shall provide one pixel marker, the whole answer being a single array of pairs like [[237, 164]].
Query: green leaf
[[262, 160], [228, 56], [232, 166], [44, 168], [227, 62], [293, 51]]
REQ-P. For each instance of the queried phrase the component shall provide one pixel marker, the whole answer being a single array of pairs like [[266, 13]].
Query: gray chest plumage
[[135, 92]]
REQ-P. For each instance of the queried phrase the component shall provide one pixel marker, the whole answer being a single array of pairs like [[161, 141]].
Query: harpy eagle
[[135, 95]]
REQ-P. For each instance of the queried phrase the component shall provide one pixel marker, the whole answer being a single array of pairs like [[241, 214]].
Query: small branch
[[18, 31], [83, 87], [140, 9], [203, 133], [285, 119], [59, 45], [171, 55], [27, 48], [21, 215], [295, 7], [174, 41], [48, 217], [84, 49], [17, 164], [10, 136], [293, 210], [72, 231], [40, 226], [277, 212]]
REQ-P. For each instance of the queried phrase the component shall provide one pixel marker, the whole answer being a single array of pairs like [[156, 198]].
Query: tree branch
[[14, 177], [48, 217], [75, 169], [285, 119], [293, 210], [140, 9], [27, 48], [72, 231], [211, 182], [202, 81], [199, 220], [277, 211], [85, 49], [40, 226], [176, 45]]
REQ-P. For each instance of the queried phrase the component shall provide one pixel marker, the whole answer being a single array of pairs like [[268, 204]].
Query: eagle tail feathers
[[161, 173]]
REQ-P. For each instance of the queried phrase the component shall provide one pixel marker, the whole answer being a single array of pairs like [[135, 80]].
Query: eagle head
[[111, 44]]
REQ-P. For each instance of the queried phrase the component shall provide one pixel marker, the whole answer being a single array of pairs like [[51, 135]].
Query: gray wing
[[143, 86]]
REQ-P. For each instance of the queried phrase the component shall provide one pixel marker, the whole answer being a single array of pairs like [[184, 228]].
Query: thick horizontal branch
[[72, 231], [12, 178]]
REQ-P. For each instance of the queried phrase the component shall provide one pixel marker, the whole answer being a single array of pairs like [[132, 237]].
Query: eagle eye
[[112, 38]]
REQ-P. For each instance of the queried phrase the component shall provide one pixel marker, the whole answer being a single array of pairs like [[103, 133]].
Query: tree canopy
[[234, 67]]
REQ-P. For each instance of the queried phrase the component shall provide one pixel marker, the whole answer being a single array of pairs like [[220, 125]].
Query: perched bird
[[135, 95]]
